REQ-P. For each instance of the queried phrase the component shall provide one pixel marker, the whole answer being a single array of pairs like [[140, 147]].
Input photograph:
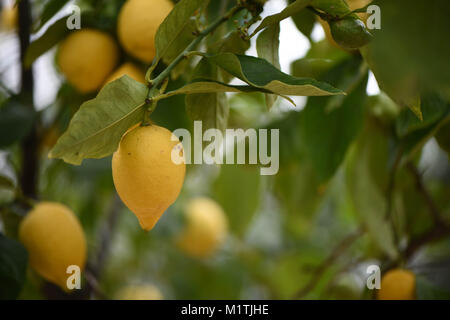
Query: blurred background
[[309, 232]]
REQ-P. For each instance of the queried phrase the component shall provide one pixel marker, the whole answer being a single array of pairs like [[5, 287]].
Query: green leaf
[[210, 108], [366, 164], [209, 86], [443, 136], [425, 290], [328, 127], [16, 121], [413, 64], [261, 74], [290, 10], [181, 42], [433, 110], [332, 7], [238, 182], [234, 43], [52, 36], [321, 57], [13, 265], [414, 133], [173, 28], [50, 9], [96, 129], [305, 21], [7, 190], [5, 182], [267, 46]]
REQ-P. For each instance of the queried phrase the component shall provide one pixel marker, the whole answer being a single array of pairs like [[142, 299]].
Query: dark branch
[[335, 254], [433, 209], [30, 165]]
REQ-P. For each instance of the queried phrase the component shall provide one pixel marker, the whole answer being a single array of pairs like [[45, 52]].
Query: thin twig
[[336, 253], [94, 270], [93, 285], [433, 209], [106, 234], [436, 233]]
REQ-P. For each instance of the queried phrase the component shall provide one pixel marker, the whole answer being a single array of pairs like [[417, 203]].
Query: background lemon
[[86, 58], [137, 25], [128, 69], [145, 177], [9, 18], [206, 228], [141, 292], [54, 240], [398, 284]]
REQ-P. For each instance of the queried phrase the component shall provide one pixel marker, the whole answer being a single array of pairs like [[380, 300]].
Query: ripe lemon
[[9, 18], [205, 230], [128, 69], [145, 177], [137, 25], [141, 292], [86, 58], [398, 284], [54, 239]]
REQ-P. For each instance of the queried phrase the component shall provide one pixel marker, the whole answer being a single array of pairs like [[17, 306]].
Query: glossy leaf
[[96, 129], [261, 74]]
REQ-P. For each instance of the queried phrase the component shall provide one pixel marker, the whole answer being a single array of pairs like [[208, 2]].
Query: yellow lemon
[[137, 25], [146, 175], [54, 239], [128, 69], [9, 17], [398, 284], [141, 292], [206, 228], [86, 57]]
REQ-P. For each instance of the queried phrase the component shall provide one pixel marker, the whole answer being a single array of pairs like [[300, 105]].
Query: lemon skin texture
[[141, 292], [128, 69], [86, 58], [205, 230], [398, 284], [137, 25], [54, 240], [145, 177]]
